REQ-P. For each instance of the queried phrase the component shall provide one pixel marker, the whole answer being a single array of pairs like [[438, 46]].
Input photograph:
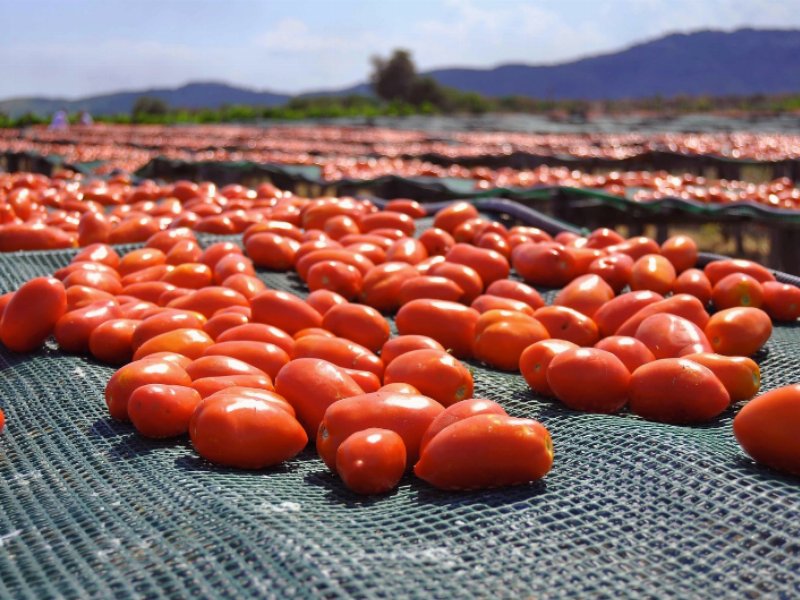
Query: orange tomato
[[589, 379], [314, 331], [189, 275], [336, 276], [381, 288], [740, 375], [453, 215], [632, 352], [264, 356], [136, 374], [516, 290], [781, 300], [676, 390], [165, 321], [258, 332], [449, 323], [681, 251], [635, 247], [371, 461], [189, 342], [209, 300], [284, 310], [458, 412], [767, 426], [586, 294], [110, 342], [653, 272], [545, 264], [739, 331], [233, 264], [564, 323], [247, 285], [359, 323], [207, 386], [434, 373], [2, 420], [670, 336], [603, 237], [487, 302], [162, 411], [464, 277], [167, 240], [339, 351], [681, 305], [694, 282]]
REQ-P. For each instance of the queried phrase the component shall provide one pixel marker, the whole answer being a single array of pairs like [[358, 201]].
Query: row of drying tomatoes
[[220, 360]]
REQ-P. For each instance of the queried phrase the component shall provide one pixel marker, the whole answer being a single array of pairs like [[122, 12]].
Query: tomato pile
[[254, 375]]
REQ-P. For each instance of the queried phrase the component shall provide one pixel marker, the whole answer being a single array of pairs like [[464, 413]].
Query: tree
[[149, 106], [394, 78]]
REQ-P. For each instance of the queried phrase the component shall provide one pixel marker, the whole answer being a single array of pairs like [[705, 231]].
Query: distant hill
[[743, 62]]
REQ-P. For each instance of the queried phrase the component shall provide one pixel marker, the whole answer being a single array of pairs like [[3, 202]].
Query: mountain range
[[742, 62]]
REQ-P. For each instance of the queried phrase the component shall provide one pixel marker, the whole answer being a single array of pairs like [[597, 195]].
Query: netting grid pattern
[[630, 509]]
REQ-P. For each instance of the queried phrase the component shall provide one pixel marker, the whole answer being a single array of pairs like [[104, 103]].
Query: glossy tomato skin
[[681, 305], [781, 300], [188, 342], [136, 374], [489, 264], [516, 290], [245, 433], [676, 390], [164, 321], [564, 323], [613, 314], [339, 277], [110, 342], [407, 250], [272, 251], [453, 215], [695, 283], [209, 300], [586, 294], [767, 427], [464, 276], [681, 251], [207, 386], [670, 336], [2, 420], [371, 461], [407, 415], [615, 269], [589, 379], [264, 394], [406, 343], [449, 323], [216, 365], [73, 329], [457, 412], [32, 313], [431, 287], [718, 269], [284, 310], [486, 451], [258, 332], [162, 411], [359, 323], [339, 351], [739, 331], [653, 272], [501, 344], [434, 373], [324, 300], [632, 352], [262, 355], [740, 375], [381, 287], [535, 360], [546, 264], [737, 289], [437, 241], [311, 385], [223, 321]]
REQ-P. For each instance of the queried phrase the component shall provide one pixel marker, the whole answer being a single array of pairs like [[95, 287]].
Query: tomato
[[216, 365], [496, 242], [586, 294], [150, 291], [167, 240], [388, 220], [487, 302], [737, 289], [94, 279], [376, 240], [162, 411], [671, 336], [457, 412], [676, 390], [339, 226], [434, 373], [339, 277], [136, 260], [614, 313], [247, 285], [407, 343], [781, 300], [287, 311], [545, 264], [694, 282], [244, 432], [535, 359], [359, 323], [359, 261], [215, 252], [653, 272], [449, 323], [233, 264], [381, 288], [453, 215], [312, 246], [500, 344], [222, 321], [188, 342], [110, 342], [681, 251], [464, 276], [272, 251], [374, 253], [412, 208], [102, 253], [681, 305], [632, 352], [266, 395], [430, 286], [407, 250], [84, 265], [165, 321], [189, 275], [23, 236], [739, 331], [209, 300], [264, 356], [136, 374], [371, 461], [171, 357], [437, 241], [207, 386], [137, 309], [79, 296], [635, 247], [767, 427], [311, 385], [564, 323], [516, 290], [615, 270], [740, 375], [489, 264], [717, 269], [407, 415], [339, 351], [276, 227], [486, 451], [6, 298], [184, 251], [366, 380], [73, 329], [603, 237], [2, 420], [589, 379], [324, 300], [258, 332]]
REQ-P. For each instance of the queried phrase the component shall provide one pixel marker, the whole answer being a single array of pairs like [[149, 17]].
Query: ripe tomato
[[458, 412], [366, 380], [681, 251], [184, 251], [371, 461], [408, 250], [359, 323], [437, 241], [137, 260], [603, 237], [324, 300], [589, 379], [412, 208], [489, 264], [501, 344], [407, 415], [614, 313], [718, 269], [284, 310], [545, 264], [73, 329], [695, 283], [162, 322], [653, 272], [632, 352], [737, 289], [110, 342], [98, 280], [635, 247], [315, 331], [564, 323], [339, 277], [149, 291], [487, 302], [244, 432], [102, 253], [586, 294], [432, 287], [486, 451], [209, 300], [264, 394], [434, 373], [262, 355], [207, 386], [213, 253], [162, 411], [681, 305], [223, 321], [670, 336], [136, 374], [767, 429], [406, 343], [166, 240], [381, 288], [535, 359], [339, 226], [216, 365], [676, 390], [449, 323], [516, 290], [339, 351], [272, 251], [311, 385], [189, 275], [258, 332], [359, 261], [189, 342], [388, 220], [464, 276], [740, 375], [739, 331], [453, 215], [615, 269], [2, 420], [781, 300], [233, 264]]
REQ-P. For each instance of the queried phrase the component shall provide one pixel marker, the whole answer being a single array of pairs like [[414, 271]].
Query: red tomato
[[79, 296], [311, 385], [314, 331], [188, 342], [209, 300], [189, 275], [162, 411], [564, 323], [94, 279], [407, 343], [223, 321], [632, 352], [233, 264], [110, 342], [535, 359], [603, 237], [767, 429], [367, 381], [464, 276], [739, 331], [437, 241], [516, 290], [432, 287], [614, 313], [339, 226], [102, 253], [501, 344], [262, 355], [184, 251], [165, 321], [388, 220], [73, 329], [589, 379], [489, 264], [412, 208], [434, 373], [737, 289], [486, 451], [324, 300], [24, 236], [166, 240], [339, 351], [2, 420], [694, 282], [681, 305], [781, 300], [653, 272], [670, 336], [372, 252], [586, 294], [359, 323], [453, 215], [449, 323], [359, 261], [681, 251], [216, 365], [740, 375], [718, 269], [407, 250], [150, 291], [458, 412], [266, 395], [546, 264], [635, 247], [215, 252], [244, 432], [136, 260], [136, 374], [207, 386], [676, 390], [408, 416], [495, 241], [336, 276], [371, 461], [381, 288], [284, 310], [272, 251], [258, 332]]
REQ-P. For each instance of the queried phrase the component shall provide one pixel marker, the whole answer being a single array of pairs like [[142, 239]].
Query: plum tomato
[[371, 461], [434, 373], [589, 379]]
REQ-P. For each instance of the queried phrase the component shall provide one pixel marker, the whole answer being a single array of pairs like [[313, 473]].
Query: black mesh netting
[[631, 508]]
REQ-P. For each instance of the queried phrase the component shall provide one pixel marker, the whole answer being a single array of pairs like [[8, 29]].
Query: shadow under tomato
[[197, 464], [493, 498], [747, 466]]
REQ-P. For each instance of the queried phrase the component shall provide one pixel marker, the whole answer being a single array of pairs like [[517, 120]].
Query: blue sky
[[72, 48]]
